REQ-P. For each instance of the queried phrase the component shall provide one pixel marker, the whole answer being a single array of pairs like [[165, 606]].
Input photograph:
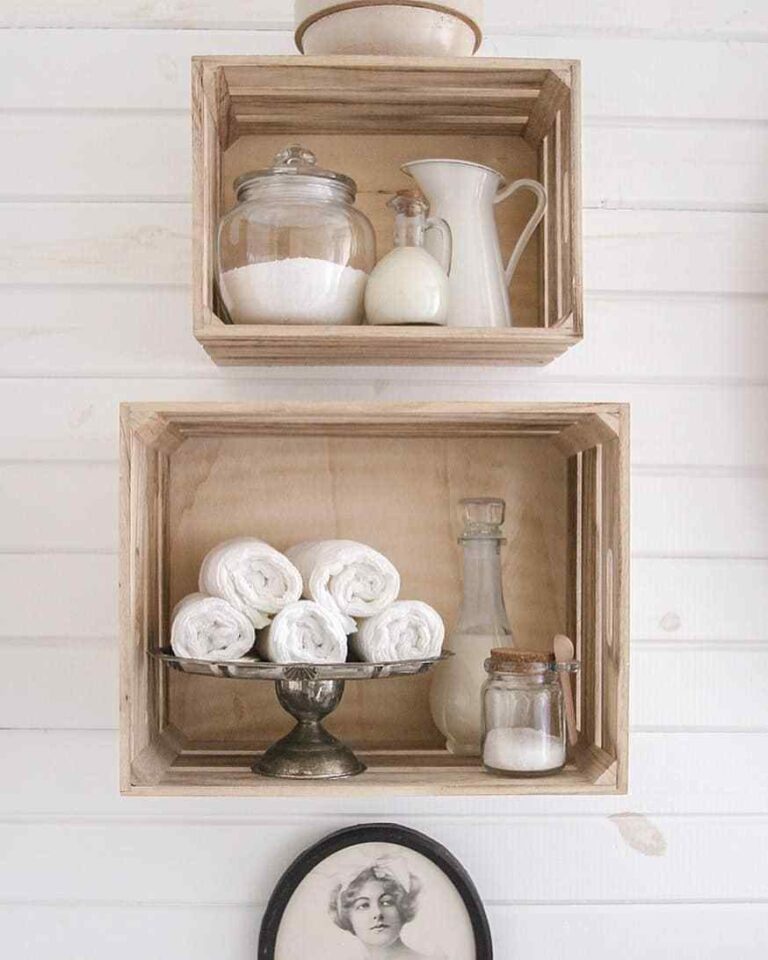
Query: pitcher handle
[[538, 213], [446, 241]]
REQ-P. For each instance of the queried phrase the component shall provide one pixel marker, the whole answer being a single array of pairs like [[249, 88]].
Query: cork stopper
[[519, 661], [521, 656]]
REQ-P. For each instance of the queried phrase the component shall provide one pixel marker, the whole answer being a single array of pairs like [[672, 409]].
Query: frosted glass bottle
[[456, 691], [409, 285]]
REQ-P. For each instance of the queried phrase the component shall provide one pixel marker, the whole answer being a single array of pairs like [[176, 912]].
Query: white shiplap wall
[[94, 309]]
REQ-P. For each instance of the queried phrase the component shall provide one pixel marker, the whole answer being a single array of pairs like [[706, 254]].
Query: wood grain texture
[[289, 489]]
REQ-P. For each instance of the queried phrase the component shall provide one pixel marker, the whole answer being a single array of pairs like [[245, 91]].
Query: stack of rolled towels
[[250, 601]]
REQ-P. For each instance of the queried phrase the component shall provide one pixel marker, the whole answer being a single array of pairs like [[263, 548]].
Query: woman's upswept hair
[[344, 895]]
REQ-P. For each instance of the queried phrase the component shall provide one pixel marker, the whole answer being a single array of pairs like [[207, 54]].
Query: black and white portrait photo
[[364, 897]]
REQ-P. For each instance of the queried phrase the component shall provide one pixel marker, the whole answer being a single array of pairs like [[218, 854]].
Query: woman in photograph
[[375, 904]]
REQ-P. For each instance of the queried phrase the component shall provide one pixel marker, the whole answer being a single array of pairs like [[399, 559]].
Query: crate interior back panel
[[398, 494]]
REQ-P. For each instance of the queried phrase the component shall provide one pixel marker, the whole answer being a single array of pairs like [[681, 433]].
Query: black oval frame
[[375, 833]]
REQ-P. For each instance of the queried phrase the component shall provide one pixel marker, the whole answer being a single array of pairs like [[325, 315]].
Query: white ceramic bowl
[[400, 29]]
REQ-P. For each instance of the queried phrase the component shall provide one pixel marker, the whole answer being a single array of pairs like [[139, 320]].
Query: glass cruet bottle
[[455, 694], [408, 285]]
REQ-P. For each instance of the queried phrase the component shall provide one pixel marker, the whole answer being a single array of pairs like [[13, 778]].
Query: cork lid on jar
[[512, 660]]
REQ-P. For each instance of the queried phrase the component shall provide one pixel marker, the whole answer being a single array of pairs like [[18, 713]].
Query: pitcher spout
[[441, 176]]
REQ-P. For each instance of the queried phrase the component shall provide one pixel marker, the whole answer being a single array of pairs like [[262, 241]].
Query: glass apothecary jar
[[295, 249], [524, 733]]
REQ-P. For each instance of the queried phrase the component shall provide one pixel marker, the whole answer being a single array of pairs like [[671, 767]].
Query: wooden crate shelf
[[365, 116], [390, 475]]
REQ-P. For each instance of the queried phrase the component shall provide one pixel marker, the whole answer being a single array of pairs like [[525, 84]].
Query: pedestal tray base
[[309, 752]]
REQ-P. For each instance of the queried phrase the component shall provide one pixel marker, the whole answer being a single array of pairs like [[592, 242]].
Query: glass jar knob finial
[[295, 156]]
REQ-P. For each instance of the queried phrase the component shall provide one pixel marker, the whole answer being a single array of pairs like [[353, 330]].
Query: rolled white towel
[[304, 632], [208, 628], [346, 577], [406, 630], [254, 577]]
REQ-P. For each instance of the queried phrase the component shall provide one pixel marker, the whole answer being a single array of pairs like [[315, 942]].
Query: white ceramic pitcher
[[464, 195]]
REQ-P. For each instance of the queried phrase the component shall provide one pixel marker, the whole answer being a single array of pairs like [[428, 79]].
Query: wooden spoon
[[563, 654]]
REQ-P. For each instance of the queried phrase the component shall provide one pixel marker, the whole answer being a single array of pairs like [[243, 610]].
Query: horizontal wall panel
[[101, 331], [673, 338], [133, 332], [630, 858], [146, 243], [650, 250], [671, 426], [121, 154], [53, 684], [680, 515], [699, 599], [684, 687], [690, 17], [168, 14], [675, 164], [58, 595], [35, 495], [76, 69], [74, 774], [128, 243], [648, 164], [72, 684], [230, 932], [720, 516]]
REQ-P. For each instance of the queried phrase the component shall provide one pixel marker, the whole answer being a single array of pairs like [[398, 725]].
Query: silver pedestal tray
[[308, 692]]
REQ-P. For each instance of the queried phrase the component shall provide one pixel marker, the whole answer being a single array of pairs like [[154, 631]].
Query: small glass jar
[[524, 731], [295, 249]]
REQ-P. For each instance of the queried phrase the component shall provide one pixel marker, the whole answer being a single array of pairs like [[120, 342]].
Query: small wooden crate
[[365, 116], [389, 475]]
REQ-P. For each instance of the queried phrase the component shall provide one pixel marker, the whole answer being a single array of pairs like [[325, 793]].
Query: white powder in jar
[[295, 290], [522, 749]]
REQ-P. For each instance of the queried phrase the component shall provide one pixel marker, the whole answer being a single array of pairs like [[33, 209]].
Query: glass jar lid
[[295, 162]]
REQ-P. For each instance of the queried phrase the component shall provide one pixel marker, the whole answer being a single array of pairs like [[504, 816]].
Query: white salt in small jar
[[294, 249], [523, 715]]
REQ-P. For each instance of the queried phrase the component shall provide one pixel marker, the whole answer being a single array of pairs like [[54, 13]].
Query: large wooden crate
[[365, 116], [391, 476]]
